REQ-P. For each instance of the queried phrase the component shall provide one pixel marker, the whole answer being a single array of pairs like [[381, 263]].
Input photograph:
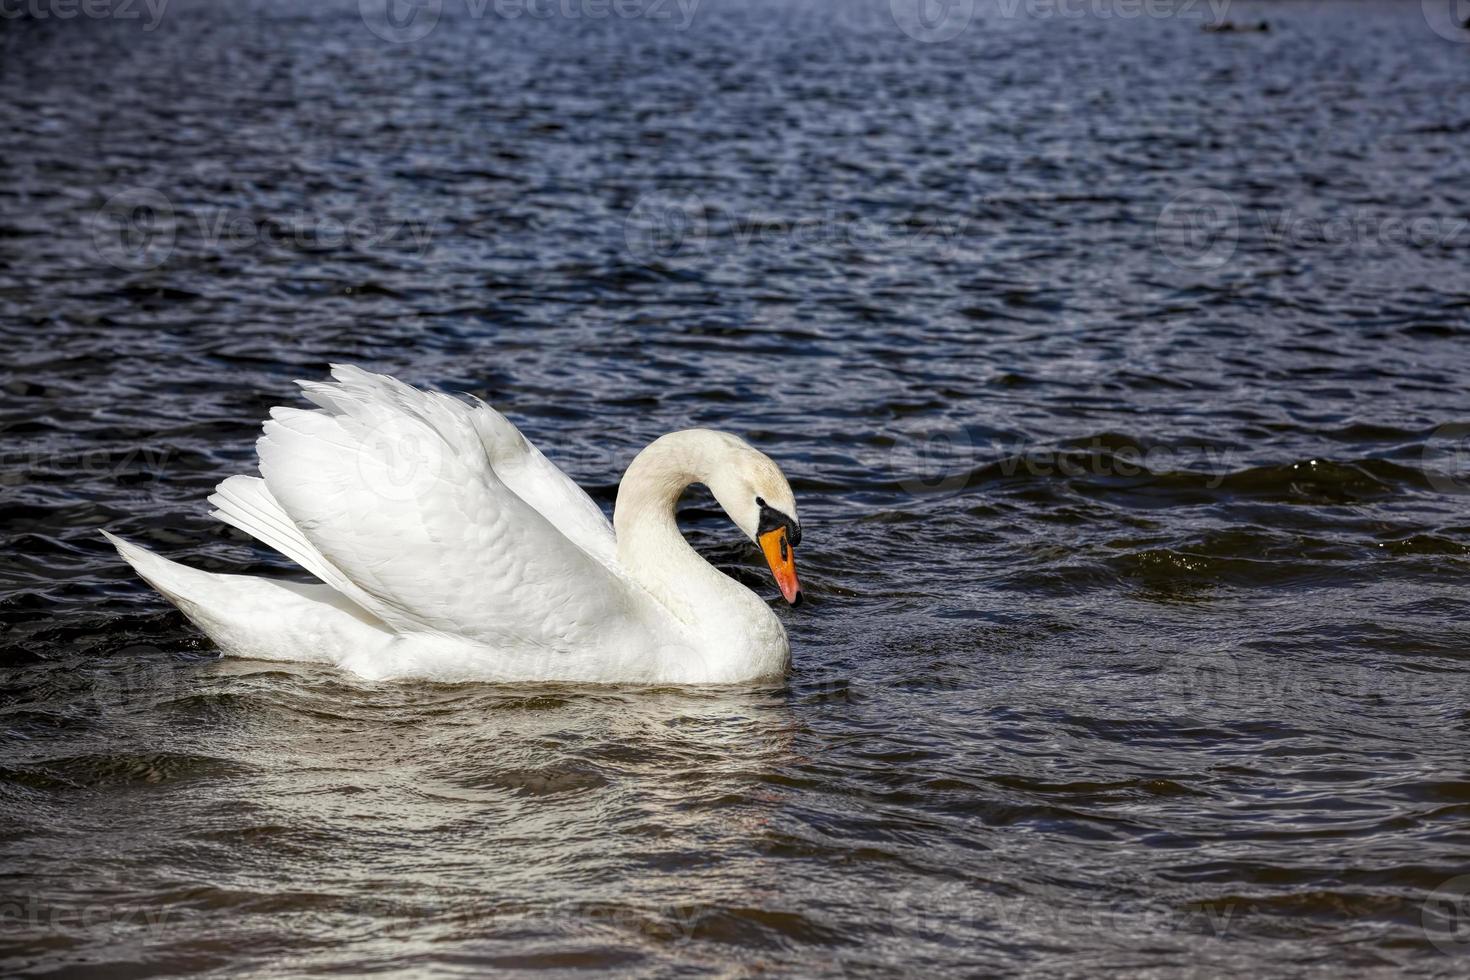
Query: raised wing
[[409, 499], [519, 464]]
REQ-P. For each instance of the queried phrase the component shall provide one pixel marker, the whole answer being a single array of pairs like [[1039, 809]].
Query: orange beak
[[782, 559]]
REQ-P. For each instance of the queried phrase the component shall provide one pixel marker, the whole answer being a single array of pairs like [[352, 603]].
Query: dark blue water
[[1119, 367]]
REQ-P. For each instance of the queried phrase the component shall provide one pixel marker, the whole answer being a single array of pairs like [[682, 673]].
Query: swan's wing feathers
[[542, 484], [395, 489], [518, 464], [245, 502]]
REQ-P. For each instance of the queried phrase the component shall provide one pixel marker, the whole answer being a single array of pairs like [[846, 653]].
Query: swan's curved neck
[[654, 552]]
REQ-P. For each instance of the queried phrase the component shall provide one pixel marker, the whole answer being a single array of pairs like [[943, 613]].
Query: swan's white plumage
[[518, 464], [245, 502], [449, 547]]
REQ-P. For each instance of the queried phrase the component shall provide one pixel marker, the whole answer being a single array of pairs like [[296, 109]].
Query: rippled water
[[1118, 366]]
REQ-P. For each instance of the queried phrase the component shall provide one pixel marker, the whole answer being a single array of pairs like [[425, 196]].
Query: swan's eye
[[771, 519]]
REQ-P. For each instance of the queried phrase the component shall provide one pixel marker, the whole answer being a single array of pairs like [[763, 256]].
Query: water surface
[[1118, 368]]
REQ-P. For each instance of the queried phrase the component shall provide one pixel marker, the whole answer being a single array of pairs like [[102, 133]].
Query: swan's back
[[434, 516]]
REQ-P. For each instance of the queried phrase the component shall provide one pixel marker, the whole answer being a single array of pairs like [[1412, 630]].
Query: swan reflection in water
[[528, 815]]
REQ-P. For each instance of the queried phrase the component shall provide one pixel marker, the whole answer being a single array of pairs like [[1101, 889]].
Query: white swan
[[450, 549]]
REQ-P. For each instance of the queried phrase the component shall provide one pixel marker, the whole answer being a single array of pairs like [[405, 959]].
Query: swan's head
[[753, 491]]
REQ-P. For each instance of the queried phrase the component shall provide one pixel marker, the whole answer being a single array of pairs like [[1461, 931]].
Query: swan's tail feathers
[[261, 618], [168, 577], [197, 593], [246, 502]]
